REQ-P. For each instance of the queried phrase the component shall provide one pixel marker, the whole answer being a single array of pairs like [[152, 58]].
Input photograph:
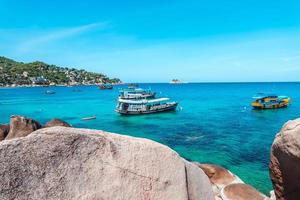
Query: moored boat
[[50, 92], [144, 106], [105, 87], [136, 93], [270, 102], [88, 118], [133, 85]]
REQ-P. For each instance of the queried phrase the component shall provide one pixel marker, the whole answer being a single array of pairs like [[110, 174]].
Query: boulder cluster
[[20, 126], [56, 161]]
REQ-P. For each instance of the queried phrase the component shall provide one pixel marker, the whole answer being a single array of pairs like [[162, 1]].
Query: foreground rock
[[21, 126], [285, 162], [68, 163], [4, 129], [57, 122]]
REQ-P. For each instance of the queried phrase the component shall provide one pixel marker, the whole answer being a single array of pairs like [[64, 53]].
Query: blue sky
[[155, 41]]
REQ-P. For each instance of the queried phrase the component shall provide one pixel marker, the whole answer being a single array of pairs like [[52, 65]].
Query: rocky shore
[[54, 85], [57, 161]]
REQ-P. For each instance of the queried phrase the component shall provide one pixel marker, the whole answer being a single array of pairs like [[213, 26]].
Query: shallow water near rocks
[[214, 122]]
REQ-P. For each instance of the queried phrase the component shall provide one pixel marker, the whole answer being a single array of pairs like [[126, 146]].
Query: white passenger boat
[[136, 93], [144, 106]]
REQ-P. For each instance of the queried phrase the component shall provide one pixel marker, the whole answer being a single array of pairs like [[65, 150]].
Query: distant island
[[176, 81], [14, 74]]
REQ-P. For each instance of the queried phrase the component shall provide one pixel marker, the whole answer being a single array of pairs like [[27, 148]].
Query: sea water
[[214, 122]]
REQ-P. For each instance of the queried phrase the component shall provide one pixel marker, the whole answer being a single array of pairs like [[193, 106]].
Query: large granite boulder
[[241, 191], [285, 162], [21, 126], [57, 122], [4, 129], [68, 163]]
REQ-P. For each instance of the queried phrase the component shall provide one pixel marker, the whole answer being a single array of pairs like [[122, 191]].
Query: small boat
[[136, 93], [105, 87], [270, 101], [133, 85], [144, 106], [89, 118], [50, 92], [76, 90]]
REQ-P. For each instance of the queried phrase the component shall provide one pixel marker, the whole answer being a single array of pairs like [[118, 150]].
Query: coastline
[[58, 85]]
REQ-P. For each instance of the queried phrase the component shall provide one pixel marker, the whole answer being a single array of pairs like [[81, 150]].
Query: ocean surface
[[213, 124]]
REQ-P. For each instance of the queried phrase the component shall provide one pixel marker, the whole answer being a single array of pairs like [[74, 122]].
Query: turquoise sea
[[214, 123]]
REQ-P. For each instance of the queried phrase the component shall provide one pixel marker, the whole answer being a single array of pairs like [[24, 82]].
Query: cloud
[[56, 35]]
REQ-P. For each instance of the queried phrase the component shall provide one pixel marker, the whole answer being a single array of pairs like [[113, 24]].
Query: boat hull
[[165, 109], [263, 107], [266, 105]]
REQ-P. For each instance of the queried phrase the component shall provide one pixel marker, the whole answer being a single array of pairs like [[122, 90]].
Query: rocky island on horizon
[[19, 74]]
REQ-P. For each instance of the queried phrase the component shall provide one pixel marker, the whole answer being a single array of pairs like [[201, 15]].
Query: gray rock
[[68, 163], [21, 126]]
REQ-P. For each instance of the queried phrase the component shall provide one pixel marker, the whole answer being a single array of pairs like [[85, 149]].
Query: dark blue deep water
[[214, 123]]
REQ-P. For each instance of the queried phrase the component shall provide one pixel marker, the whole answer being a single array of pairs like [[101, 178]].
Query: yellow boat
[[270, 102]]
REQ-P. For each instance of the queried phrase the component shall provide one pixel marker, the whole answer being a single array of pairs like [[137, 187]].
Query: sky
[[158, 40]]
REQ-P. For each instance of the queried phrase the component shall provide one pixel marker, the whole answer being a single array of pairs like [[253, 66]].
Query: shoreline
[[58, 85], [122, 83]]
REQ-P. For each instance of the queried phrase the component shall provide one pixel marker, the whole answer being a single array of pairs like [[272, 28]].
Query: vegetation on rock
[[39, 73]]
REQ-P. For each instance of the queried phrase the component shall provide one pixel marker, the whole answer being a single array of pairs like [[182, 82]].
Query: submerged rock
[[68, 163], [285, 162], [240, 191], [21, 126], [4, 129], [57, 122]]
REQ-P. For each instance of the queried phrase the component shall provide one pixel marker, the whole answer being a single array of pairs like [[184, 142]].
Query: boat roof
[[132, 89], [270, 96], [143, 101]]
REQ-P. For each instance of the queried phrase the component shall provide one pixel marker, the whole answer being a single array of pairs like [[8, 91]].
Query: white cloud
[[55, 35]]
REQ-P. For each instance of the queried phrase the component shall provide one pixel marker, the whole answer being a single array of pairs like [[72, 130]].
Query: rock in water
[[68, 163], [4, 129], [285, 162], [21, 127], [241, 191], [217, 174], [219, 178], [57, 122]]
